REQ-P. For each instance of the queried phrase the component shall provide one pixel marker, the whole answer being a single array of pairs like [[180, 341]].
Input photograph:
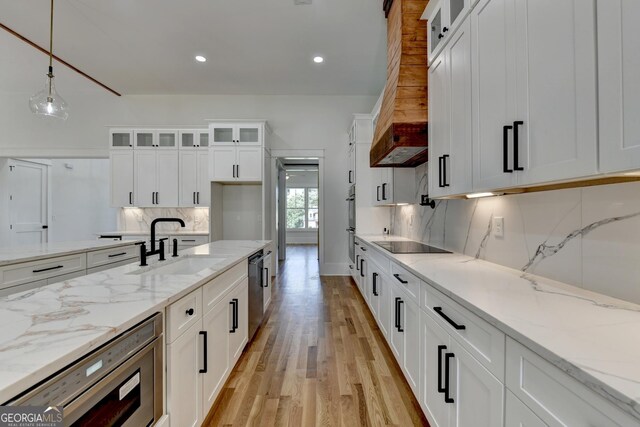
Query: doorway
[[28, 202]]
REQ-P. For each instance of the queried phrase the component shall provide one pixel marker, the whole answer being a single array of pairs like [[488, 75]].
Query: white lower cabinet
[[405, 335], [517, 414], [201, 355]]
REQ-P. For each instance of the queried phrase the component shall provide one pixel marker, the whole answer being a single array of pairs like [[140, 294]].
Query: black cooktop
[[409, 247]]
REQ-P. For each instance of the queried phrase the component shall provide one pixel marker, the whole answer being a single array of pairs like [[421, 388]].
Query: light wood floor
[[318, 359]]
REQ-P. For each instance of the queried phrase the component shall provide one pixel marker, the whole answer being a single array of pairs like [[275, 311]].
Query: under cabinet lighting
[[478, 195]]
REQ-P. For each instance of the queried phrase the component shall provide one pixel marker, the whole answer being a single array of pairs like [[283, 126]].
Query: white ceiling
[[261, 47]]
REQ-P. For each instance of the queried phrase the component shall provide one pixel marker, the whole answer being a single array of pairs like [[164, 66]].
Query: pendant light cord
[[51, 41]]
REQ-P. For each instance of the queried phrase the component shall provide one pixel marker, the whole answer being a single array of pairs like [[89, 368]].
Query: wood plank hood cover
[[400, 137]]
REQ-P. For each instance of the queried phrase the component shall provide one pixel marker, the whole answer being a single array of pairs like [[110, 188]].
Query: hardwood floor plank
[[319, 359]]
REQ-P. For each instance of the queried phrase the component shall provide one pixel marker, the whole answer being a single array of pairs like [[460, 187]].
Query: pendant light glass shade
[[48, 102]]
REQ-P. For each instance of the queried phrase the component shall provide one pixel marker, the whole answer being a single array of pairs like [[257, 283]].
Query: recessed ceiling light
[[318, 59], [201, 58]]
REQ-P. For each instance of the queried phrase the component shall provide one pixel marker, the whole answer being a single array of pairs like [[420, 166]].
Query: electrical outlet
[[498, 226]]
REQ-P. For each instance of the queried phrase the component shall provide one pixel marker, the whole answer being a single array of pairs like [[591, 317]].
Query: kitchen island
[[55, 325]]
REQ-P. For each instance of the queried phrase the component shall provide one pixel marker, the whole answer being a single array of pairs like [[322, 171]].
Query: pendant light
[[47, 102]]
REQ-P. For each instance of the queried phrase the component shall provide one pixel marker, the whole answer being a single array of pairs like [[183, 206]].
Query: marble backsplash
[[588, 237], [139, 219]]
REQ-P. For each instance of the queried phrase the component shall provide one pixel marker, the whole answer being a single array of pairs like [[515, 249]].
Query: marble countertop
[[54, 325], [26, 253], [158, 232], [592, 337]]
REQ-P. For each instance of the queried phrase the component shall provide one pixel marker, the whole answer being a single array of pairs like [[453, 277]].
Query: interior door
[[28, 199], [188, 177]]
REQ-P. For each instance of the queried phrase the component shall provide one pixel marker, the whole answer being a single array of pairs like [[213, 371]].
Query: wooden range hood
[[400, 138]]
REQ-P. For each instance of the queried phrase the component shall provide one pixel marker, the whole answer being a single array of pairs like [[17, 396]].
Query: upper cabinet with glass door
[[236, 133], [443, 17], [121, 139], [151, 138], [194, 139]]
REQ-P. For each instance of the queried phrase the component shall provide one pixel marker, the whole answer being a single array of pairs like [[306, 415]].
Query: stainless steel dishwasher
[[256, 295], [119, 384]]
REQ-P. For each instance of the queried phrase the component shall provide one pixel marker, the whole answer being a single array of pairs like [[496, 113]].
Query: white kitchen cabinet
[[121, 139], [393, 186], [236, 163], [193, 139], [235, 133], [121, 175], [239, 320], [266, 282], [450, 130], [144, 139], [619, 85], [249, 164], [443, 18], [433, 344], [222, 163], [405, 336], [156, 178], [517, 414], [351, 174], [533, 125], [215, 325], [184, 388], [194, 178]]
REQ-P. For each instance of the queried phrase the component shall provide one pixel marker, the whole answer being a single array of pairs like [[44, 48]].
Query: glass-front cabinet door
[[223, 134], [203, 138], [435, 31], [188, 139], [167, 139], [249, 134], [144, 139], [121, 139]]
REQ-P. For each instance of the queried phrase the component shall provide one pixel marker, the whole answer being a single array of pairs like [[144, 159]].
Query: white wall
[[80, 199]]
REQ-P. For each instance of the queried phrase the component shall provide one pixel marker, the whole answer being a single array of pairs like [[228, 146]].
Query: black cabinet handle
[[400, 328], [198, 197], [235, 314], [234, 170], [362, 248], [440, 35], [378, 193], [356, 243], [190, 312], [440, 184], [375, 284], [194, 197], [515, 145], [441, 348], [268, 278], [448, 319], [350, 177], [444, 29], [384, 191], [400, 279], [238, 171], [130, 197], [444, 170], [361, 267], [204, 350], [48, 269], [357, 262], [447, 356], [396, 312], [505, 149], [115, 255]]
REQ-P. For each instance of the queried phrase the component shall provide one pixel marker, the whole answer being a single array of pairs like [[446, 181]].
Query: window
[[302, 208]]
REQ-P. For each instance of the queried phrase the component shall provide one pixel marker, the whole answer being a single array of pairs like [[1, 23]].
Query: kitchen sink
[[182, 267]]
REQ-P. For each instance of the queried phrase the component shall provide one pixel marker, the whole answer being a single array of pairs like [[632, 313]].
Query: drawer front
[[484, 341], [183, 313], [407, 281], [381, 261], [189, 241], [25, 272], [111, 255], [218, 287], [554, 396]]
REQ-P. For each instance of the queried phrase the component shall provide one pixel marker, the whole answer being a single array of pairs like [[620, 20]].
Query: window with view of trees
[[302, 208]]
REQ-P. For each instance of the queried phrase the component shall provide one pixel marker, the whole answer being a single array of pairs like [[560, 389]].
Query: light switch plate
[[498, 226]]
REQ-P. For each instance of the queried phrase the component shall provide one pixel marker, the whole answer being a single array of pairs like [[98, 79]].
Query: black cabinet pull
[[357, 262], [198, 197], [375, 284], [48, 269], [447, 356], [384, 191], [268, 278], [400, 279], [396, 312], [448, 319], [361, 267], [362, 248], [505, 149], [441, 348], [440, 184], [235, 314], [356, 243], [444, 170], [194, 197], [515, 146], [234, 170], [440, 35], [115, 255], [378, 193], [130, 197], [204, 350], [350, 177], [189, 312], [238, 171], [400, 328], [444, 29]]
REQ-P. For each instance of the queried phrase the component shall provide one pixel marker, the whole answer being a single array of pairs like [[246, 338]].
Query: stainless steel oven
[[118, 385], [351, 199]]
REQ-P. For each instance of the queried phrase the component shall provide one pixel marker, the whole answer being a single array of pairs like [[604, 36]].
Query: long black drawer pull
[[48, 269], [361, 267], [118, 254], [204, 347], [448, 319], [378, 193], [397, 317], [357, 262], [235, 314], [447, 356], [505, 149], [130, 197], [384, 191], [400, 279], [375, 284], [266, 285], [515, 146], [444, 170], [440, 184], [441, 348], [187, 240], [400, 328]]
